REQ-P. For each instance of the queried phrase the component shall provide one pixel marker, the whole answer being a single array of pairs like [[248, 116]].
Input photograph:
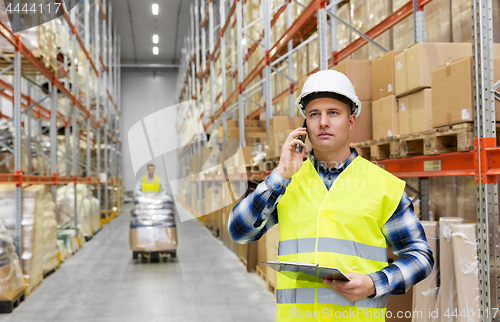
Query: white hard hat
[[329, 81]]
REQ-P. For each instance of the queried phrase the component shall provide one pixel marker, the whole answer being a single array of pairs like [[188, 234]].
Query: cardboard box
[[363, 129], [385, 117], [153, 239], [452, 92], [261, 253], [400, 79], [360, 74], [277, 127], [252, 138], [272, 242], [415, 112], [383, 75], [420, 59]]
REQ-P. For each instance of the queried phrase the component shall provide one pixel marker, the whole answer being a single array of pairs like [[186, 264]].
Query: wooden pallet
[[445, 139], [243, 260], [9, 306], [261, 273], [384, 148], [455, 138]]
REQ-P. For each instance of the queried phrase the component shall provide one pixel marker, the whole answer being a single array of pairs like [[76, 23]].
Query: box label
[[389, 88], [398, 65], [389, 133], [465, 114], [432, 165], [403, 107]]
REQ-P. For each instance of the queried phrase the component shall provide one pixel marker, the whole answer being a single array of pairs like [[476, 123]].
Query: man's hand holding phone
[[290, 160]]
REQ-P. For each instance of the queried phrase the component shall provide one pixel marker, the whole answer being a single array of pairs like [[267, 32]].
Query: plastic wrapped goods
[[425, 292], [96, 217], [466, 271], [448, 287], [11, 275], [152, 226], [32, 227], [50, 251]]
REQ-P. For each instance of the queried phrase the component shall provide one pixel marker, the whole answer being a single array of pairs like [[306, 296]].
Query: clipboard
[[306, 271]]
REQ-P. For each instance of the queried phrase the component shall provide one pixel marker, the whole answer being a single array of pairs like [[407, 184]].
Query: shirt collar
[[339, 168]]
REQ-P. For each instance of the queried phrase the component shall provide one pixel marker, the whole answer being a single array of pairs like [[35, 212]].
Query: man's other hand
[[359, 287]]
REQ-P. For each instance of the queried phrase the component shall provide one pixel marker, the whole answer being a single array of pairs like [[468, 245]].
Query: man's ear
[[352, 122]]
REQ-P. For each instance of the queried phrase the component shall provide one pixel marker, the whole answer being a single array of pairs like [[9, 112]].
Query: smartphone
[[302, 137]]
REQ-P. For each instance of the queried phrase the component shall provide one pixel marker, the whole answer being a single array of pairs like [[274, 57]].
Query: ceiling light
[[155, 50], [243, 42], [76, 61], [155, 9], [155, 39]]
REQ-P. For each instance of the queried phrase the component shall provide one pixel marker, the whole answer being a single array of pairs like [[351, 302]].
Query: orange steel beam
[[112, 101], [102, 10], [20, 179], [102, 63], [206, 14], [452, 164], [27, 99]]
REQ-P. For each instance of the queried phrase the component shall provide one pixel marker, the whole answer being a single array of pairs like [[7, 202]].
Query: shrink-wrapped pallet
[[11, 274], [425, 292], [152, 227], [50, 261], [448, 287], [32, 228], [466, 271]]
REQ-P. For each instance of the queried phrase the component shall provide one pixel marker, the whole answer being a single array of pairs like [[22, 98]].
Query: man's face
[[151, 171], [328, 123]]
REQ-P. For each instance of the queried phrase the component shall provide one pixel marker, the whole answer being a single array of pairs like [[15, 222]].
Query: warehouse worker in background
[[150, 183], [335, 209]]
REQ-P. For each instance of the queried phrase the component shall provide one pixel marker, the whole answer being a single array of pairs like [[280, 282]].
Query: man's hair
[[150, 165]]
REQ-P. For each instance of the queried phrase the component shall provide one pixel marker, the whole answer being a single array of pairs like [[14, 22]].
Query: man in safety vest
[[150, 183], [335, 209]]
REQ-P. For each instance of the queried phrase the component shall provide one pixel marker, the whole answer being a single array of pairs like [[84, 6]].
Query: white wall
[[144, 92]]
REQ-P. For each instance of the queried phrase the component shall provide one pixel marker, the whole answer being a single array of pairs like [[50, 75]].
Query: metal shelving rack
[[483, 162], [91, 118]]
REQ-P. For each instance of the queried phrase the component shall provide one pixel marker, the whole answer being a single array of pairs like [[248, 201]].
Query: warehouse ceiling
[[136, 24]]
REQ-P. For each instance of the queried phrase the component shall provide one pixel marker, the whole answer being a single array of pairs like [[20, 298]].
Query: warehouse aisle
[[207, 282]]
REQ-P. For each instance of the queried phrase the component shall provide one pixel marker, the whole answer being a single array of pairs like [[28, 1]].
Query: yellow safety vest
[[153, 186], [340, 227]]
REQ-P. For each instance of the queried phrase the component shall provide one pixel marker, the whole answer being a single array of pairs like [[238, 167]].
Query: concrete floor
[[207, 282]]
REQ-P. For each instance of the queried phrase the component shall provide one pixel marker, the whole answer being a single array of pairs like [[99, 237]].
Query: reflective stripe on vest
[[325, 296], [332, 245], [153, 186]]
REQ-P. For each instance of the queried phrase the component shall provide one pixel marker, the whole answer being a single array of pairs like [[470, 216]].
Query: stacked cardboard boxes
[[452, 97], [401, 84]]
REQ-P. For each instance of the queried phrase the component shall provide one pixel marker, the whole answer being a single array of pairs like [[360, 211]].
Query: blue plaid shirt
[[257, 213]]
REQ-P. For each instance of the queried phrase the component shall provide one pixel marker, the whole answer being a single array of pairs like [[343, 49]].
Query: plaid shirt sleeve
[[406, 235], [256, 214]]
